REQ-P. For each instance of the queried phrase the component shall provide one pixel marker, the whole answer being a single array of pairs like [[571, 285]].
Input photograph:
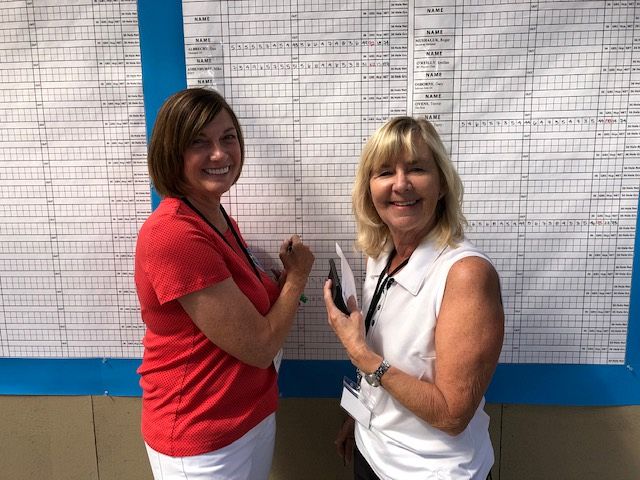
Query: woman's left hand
[[349, 329]]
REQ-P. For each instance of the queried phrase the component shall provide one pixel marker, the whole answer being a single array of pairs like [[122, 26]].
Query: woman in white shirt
[[428, 338]]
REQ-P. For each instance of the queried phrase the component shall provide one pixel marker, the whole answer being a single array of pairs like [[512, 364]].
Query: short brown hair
[[394, 138], [180, 120]]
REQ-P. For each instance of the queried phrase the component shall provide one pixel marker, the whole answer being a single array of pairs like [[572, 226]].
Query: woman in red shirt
[[215, 320]]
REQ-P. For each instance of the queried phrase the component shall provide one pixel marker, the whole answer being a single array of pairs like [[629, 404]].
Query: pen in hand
[[303, 298]]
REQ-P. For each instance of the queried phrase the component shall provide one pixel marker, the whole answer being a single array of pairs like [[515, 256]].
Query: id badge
[[351, 402]]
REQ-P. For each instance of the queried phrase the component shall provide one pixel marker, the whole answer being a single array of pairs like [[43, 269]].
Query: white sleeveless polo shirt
[[399, 445]]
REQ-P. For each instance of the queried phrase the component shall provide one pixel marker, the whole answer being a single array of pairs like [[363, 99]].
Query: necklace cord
[[221, 235], [384, 281]]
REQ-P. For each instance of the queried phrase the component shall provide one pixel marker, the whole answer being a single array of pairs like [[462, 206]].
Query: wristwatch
[[374, 378]]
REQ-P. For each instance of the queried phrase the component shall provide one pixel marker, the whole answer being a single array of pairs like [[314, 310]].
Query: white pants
[[248, 458]]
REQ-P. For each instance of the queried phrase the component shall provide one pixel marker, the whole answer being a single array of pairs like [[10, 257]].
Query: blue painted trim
[[578, 385], [88, 376], [314, 378], [164, 70]]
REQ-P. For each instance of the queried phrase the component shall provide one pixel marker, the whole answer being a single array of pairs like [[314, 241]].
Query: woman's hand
[[297, 260], [345, 441], [350, 331]]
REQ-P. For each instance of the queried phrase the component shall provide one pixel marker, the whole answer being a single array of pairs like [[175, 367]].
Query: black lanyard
[[384, 281], [221, 235]]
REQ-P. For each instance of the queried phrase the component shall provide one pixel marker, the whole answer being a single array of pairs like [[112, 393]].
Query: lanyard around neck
[[384, 281], [221, 235]]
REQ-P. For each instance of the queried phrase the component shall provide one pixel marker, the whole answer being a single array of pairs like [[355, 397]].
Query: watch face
[[372, 379]]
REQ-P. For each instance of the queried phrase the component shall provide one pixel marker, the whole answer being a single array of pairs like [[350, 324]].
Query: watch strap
[[382, 369]]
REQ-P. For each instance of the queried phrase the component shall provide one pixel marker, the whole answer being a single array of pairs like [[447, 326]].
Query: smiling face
[[405, 192], [213, 160]]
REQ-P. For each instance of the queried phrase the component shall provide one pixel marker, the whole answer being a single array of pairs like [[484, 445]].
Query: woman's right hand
[[345, 441], [297, 259]]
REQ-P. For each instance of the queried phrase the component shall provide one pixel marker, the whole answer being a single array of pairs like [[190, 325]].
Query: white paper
[[551, 180], [74, 181], [346, 277], [277, 360]]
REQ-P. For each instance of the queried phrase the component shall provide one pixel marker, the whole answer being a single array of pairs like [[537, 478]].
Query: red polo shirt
[[196, 397]]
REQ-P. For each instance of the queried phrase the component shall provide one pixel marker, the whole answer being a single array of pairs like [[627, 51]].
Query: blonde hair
[[390, 141], [179, 121]]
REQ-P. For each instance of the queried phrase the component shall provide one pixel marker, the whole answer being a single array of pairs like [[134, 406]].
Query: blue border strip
[[579, 385], [164, 69], [89, 376]]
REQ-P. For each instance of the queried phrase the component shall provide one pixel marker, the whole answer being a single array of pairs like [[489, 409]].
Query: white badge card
[[350, 401]]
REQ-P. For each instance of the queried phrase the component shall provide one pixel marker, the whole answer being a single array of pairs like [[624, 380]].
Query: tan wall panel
[[306, 430], [53, 438], [121, 452], [494, 410], [570, 443], [47, 437]]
